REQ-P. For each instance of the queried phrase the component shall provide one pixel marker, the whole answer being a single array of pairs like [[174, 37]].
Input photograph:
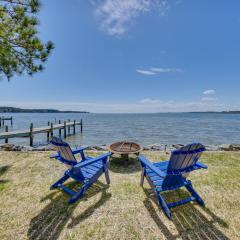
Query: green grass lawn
[[123, 210]]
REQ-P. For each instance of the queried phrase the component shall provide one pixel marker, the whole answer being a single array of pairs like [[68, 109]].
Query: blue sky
[[135, 56]]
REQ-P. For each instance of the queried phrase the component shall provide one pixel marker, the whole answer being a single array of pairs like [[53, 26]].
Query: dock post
[[6, 130], [51, 131], [59, 131], [48, 133], [69, 127], [74, 127], [0, 122], [3, 122], [65, 130], [81, 126], [11, 122], [31, 134]]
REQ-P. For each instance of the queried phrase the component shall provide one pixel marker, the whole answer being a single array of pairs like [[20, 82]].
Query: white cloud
[[209, 92], [117, 15], [149, 100], [165, 70], [145, 72], [154, 71]]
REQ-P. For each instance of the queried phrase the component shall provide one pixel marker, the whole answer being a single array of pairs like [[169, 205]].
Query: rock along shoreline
[[152, 147]]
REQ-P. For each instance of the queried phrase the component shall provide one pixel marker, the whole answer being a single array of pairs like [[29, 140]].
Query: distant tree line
[[21, 110]]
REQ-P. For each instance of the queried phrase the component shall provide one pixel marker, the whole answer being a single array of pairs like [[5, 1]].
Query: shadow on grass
[[190, 220], [118, 164], [3, 170], [49, 223]]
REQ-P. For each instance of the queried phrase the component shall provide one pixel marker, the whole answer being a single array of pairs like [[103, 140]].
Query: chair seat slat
[[89, 170], [97, 164], [93, 168]]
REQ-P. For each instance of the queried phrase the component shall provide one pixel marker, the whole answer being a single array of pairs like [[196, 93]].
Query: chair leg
[[59, 182], [106, 171], [78, 195], [142, 177], [190, 188], [164, 206], [83, 157]]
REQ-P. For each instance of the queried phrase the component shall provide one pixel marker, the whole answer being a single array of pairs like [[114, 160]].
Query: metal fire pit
[[124, 148]]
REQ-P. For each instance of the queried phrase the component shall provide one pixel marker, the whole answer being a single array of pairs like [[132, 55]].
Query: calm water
[[166, 128]]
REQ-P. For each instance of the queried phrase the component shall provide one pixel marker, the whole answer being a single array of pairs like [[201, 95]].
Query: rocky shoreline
[[152, 147]]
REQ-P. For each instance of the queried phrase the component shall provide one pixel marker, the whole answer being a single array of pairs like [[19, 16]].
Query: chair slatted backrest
[[64, 151], [185, 157]]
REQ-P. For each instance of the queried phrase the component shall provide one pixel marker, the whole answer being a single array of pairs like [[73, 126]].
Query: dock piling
[[48, 132], [65, 130], [59, 130], [51, 130], [6, 130], [68, 127], [31, 134], [81, 124], [74, 127]]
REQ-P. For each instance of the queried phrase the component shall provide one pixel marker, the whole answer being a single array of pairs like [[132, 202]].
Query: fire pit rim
[[125, 152]]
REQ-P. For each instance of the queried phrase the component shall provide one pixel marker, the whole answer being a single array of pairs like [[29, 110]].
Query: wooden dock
[[65, 126], [3, 119]]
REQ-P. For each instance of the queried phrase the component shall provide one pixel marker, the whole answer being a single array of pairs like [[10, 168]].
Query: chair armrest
[[74, 151], [54, 155], [201, 165], [150, 165], [198, 165], [89, 161], [78, 150]]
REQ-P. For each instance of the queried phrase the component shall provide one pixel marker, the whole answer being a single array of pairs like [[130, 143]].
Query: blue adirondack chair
[[172, 174], [87, 171]]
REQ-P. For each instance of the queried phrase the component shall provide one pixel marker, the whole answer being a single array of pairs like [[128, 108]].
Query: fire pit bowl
[[124, 148]]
